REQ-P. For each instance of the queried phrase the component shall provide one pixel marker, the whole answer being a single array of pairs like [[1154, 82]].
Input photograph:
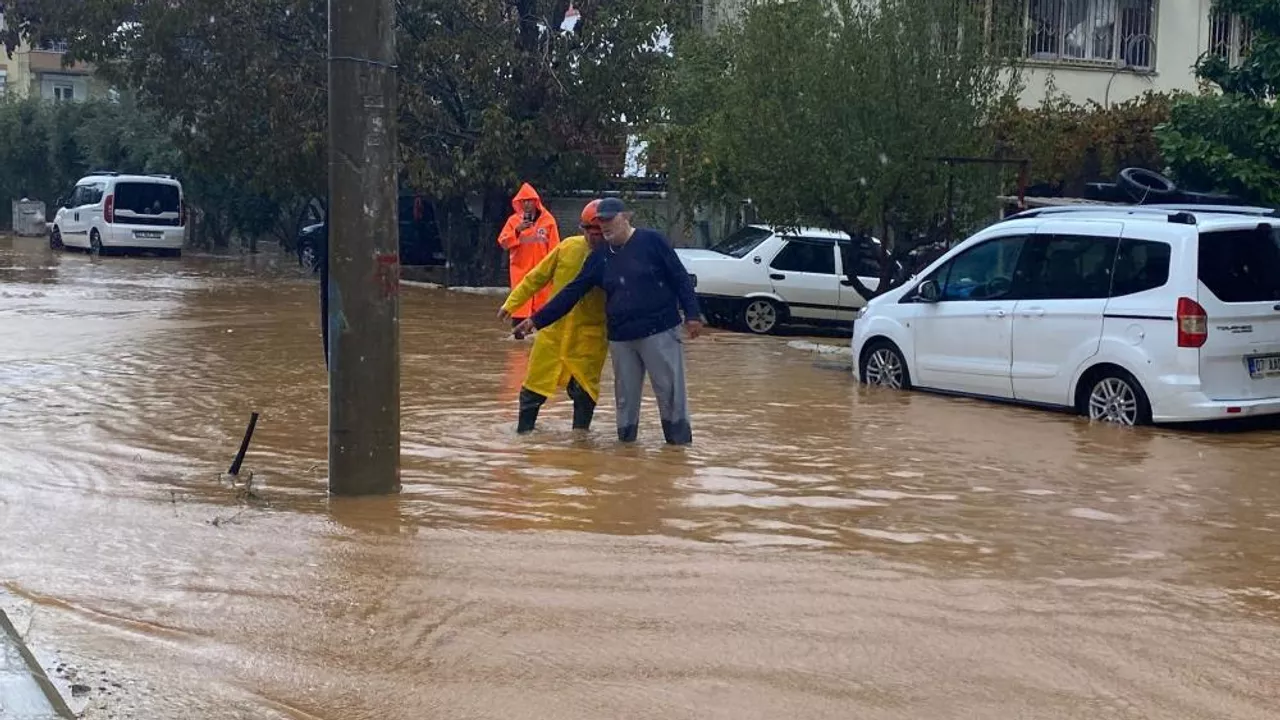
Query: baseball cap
[[610, 208]]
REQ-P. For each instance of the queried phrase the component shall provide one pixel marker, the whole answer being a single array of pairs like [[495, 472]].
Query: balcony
[[48, 59]]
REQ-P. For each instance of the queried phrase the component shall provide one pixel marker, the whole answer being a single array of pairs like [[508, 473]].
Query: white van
[[109, 210], [1127, 315]]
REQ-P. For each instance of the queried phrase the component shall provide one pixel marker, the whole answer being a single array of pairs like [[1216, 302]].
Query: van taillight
[[1193, 324], [109, 209]]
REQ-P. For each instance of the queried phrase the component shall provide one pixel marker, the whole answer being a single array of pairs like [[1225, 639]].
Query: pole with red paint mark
[[364, 262]]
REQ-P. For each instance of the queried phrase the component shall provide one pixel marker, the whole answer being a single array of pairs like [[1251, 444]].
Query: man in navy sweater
[[646, 287]]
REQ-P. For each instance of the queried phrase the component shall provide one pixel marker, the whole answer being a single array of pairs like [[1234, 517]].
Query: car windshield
[[742, 242]]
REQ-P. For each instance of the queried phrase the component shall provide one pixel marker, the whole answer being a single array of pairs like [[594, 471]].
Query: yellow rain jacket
[[576, 345]]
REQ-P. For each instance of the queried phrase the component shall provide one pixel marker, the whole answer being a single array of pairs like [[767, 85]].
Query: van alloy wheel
[[1113, 400], [760, 316], [884, 369]]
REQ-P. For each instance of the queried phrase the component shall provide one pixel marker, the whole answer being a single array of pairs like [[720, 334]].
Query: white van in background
[[109, 210], [1127, 315]]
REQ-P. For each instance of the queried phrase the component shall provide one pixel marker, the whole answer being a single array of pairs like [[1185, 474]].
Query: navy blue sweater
[[645, 287]]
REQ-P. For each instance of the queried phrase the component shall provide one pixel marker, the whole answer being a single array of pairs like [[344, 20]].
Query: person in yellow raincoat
[[569, 353]]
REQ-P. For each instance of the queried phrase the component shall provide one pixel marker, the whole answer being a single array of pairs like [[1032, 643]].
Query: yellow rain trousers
[[576, 345]]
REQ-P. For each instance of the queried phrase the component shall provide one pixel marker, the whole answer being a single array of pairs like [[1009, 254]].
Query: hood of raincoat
[[526, 193]]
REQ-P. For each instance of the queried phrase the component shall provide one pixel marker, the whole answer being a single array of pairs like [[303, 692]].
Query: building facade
[[1109, 51], [39, 72], [1106, 51]]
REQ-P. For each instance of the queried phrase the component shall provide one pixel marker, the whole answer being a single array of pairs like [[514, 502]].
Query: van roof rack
[[1175, 212], [104, 173]]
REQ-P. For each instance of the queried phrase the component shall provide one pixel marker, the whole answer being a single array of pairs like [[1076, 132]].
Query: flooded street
[[821, 551]]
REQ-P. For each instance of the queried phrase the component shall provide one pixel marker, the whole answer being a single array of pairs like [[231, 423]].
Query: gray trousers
[[662, 357]]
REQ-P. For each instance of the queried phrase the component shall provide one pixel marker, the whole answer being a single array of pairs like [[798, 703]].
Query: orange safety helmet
[[589, 216]]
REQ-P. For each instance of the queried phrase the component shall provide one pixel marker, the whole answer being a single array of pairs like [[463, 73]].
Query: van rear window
[[1241, 266], [147, 198]]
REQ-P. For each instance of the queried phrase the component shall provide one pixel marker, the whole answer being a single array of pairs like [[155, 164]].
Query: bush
[[1070, 144]]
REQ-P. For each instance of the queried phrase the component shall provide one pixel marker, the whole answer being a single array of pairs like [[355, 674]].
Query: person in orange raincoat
[[569, 353], [529, 236]]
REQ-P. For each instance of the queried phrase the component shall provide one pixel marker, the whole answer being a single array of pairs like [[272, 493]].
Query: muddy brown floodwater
[[822, 551]]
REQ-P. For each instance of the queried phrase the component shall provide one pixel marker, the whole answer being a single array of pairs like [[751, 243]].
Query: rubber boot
[[677, 433], [584, 408], [530, 403]]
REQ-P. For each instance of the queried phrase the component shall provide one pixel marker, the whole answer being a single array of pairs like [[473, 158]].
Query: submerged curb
[[26, 693], [464, 290], [820, 348]]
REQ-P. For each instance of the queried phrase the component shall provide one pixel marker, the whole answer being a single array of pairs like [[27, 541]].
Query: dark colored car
[[420, 242]]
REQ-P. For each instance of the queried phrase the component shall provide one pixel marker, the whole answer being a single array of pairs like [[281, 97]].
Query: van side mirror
[[928, 292], [60, 202]]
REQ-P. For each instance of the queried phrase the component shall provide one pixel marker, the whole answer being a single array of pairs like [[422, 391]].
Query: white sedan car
[[761, 278]]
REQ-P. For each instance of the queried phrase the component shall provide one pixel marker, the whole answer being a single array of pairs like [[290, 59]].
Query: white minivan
[[1127, 315], [109, 210]]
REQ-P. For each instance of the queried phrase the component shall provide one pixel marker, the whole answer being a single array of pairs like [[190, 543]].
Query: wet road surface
[[823, 551]]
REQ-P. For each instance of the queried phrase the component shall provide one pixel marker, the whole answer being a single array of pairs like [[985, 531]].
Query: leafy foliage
[[495, 93], [1069, 144], [837, 113], [491, 93], [1230, 140]]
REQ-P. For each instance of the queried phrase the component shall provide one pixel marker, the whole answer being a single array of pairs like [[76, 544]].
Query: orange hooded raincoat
[[526, 249]]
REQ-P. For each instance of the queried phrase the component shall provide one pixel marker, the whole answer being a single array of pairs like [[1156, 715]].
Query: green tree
[[1229, 140], [495, 93], [837, 113], [492, 92], [46, 147]]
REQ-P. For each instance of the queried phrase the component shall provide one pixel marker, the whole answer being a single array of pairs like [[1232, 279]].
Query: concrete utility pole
[[364, 250]]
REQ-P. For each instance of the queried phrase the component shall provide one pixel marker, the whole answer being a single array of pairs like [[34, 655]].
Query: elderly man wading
[[645, 288]]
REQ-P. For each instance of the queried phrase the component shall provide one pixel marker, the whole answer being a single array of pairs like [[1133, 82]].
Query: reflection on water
[[822, 551]]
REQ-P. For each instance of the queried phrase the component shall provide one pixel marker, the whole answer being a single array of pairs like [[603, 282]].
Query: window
[[90, 194], [1141, 265], [1241, 266], [806, 257], [4, 83], [741, 243], [138, 198], [1229, 36], [1065, 267], [984, 272], [1114, 32], [860, 259], [80, 197], [64, 92]]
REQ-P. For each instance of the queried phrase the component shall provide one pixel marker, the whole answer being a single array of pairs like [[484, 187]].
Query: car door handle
[[1033, 312], [846, 282], [777, 276], [996, 312]]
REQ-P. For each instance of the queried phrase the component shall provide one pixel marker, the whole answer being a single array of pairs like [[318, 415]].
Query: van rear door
[[1239, 289]]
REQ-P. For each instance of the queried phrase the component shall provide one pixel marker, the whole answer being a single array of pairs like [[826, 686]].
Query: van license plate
[[1264, 366], [148, 235]]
